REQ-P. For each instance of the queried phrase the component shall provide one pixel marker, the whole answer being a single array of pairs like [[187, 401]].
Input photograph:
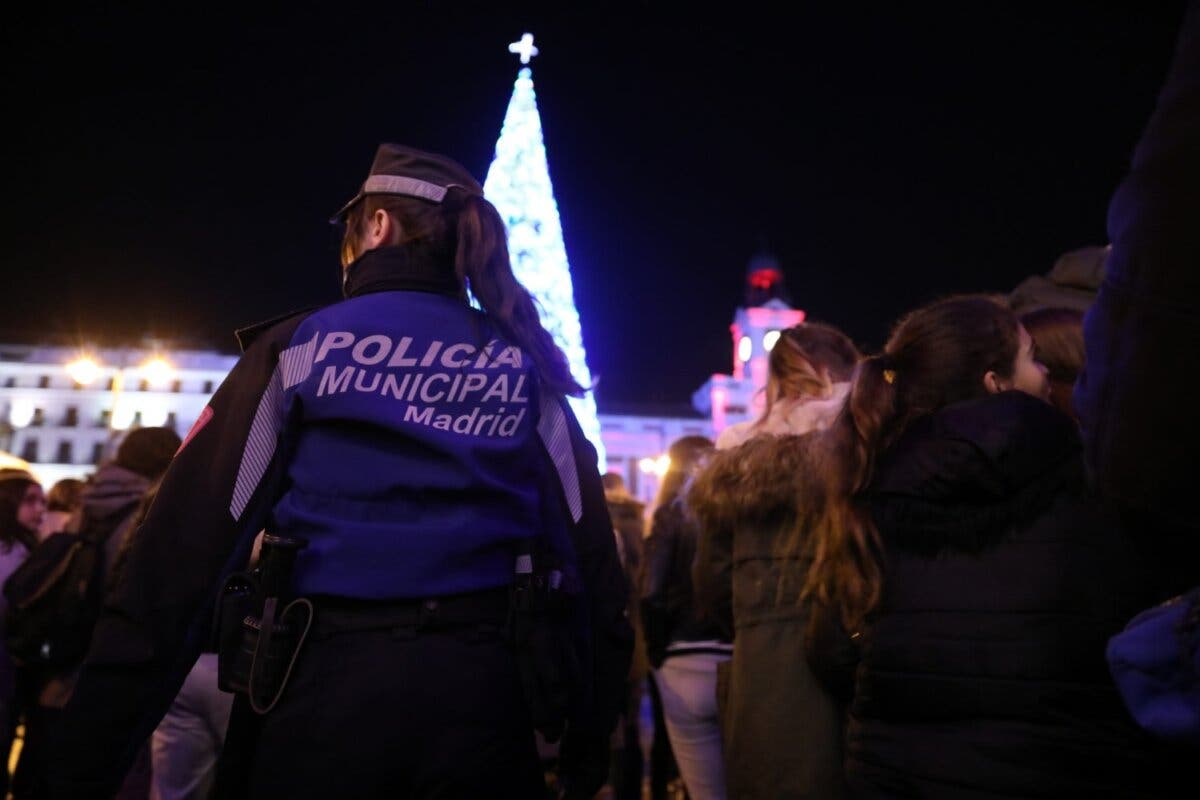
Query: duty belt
[[347, 614]]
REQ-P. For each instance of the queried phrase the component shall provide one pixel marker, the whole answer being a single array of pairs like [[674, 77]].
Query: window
[[39, 419], [64, 455], [105, 418], [208, 387], [71, 418], [29, 450], [43, 381], [137, 420], [171, 422], [10, 382], [176, 386], [143, 385], [97, 452]]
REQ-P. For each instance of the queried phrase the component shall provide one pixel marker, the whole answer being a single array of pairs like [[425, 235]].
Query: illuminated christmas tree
[[518, 184]]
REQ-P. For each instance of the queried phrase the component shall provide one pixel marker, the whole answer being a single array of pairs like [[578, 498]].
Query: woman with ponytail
[[951, 530], [421, 454]]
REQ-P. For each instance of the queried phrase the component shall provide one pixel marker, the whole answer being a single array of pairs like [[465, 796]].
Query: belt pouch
[[236, 608]]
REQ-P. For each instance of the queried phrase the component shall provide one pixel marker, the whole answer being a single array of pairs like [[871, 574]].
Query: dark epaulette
[[248, 334]]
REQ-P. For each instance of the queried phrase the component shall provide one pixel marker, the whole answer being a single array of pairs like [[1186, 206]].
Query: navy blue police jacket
[[411, 446]]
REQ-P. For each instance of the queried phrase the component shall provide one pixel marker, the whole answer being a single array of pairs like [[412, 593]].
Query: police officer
[[418, 449]]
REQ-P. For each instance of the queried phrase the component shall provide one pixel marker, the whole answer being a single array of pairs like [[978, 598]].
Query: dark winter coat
[[107, 510], [1140, 430], [984, 673], [782, 729], [108, 505], [629, 526], [670, 617]]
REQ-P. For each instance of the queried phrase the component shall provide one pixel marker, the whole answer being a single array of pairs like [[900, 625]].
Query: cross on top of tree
[[524, 48]]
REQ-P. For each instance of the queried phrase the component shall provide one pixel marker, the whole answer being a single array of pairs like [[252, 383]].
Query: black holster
[[542, 616], [261, 626]]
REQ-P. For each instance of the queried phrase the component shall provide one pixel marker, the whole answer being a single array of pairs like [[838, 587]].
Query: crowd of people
[[906, 575], [178, 761], [383, 562]]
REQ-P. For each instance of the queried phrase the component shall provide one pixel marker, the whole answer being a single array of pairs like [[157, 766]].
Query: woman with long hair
[[782, 729], [22, 510], [684, 645], [951, 529], [808, 376], [1058, 338]]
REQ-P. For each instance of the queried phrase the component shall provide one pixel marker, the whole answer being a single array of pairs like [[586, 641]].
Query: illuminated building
[[64, 409]]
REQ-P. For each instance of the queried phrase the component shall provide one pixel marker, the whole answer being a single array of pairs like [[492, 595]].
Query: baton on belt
[[271, 666]]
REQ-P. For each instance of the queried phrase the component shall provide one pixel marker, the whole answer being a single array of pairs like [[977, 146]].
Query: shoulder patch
[[205, 417], [248, 334]]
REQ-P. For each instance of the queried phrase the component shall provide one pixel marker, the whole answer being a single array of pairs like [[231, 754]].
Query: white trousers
[[688, 687], [186, 744]]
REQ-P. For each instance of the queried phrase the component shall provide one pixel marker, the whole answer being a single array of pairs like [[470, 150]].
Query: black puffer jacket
[[983, 674]]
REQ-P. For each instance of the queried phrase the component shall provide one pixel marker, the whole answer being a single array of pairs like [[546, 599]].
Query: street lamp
[[657, 466], [83, 370], [156, 371]]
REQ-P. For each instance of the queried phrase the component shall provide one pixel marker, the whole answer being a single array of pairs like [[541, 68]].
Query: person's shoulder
[[624, 506], [1007, 420], [734, 435], [279, 328], [988, 446]]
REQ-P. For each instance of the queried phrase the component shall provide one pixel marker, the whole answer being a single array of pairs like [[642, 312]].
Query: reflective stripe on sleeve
[[295, 364], [552, 427]]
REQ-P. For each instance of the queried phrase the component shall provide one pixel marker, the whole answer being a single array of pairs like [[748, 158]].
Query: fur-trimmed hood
[[756, 482], [789, 417]]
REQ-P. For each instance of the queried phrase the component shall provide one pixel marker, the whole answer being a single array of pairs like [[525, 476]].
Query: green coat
[[782, 729]]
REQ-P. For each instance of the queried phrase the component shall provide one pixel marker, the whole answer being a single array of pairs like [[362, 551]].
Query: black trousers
[[390, 711]]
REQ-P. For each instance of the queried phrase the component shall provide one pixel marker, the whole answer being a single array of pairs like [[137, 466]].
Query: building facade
[[64, 410]]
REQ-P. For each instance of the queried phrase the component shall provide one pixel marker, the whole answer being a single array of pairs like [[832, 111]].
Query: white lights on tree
[[518, 184]]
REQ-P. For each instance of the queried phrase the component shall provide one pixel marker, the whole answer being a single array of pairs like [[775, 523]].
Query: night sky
[[169, 170]]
